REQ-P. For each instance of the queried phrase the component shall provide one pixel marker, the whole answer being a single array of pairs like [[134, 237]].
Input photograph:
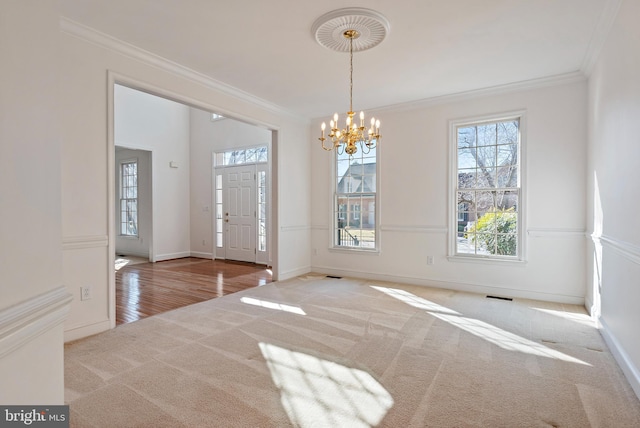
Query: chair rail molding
[[21, 323], [623, 248]]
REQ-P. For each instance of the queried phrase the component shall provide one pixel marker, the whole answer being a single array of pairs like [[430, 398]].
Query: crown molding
[[557, 80], [600, 34], [106, 41]]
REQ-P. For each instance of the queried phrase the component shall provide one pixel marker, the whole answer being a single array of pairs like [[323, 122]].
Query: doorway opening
[[171, 215]]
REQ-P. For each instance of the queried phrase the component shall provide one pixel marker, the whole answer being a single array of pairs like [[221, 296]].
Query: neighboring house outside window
[[355, 201], [488, 194], [129, 198]]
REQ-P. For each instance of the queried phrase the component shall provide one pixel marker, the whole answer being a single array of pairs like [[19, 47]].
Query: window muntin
[[355, 200], [129, 198], [488, 191]]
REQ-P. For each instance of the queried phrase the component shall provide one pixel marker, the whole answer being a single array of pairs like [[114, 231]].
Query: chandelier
[[332, 30]]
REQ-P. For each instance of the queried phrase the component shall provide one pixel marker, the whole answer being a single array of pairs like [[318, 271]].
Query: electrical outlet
[[85, 293], [315, 251], [429, 260], [204, 242]]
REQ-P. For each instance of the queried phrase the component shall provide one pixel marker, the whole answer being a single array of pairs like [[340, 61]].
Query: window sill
[[486, 260], [347, 250], [132, 237]]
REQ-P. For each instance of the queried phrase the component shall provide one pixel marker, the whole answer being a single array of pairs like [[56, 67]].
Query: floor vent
[[334, 277], [500, 298]]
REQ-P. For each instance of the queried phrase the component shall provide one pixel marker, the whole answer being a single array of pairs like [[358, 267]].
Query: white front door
[[239, 203]]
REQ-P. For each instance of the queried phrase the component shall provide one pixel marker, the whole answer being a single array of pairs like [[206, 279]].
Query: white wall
[[208, 137], [162, 127], [86, 61], [135, 245], [414, 168], [31, 352], [614, 190]]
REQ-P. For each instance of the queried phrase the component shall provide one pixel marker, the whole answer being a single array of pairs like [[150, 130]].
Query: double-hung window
[[129, 198], [354, 213], [487, 202]]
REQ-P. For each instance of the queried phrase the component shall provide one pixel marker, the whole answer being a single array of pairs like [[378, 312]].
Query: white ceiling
[[434, 47]]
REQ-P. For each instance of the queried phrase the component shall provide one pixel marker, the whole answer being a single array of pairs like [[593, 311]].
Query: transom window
[[488, 195], [129, 198], [355, 200], [242, 156]]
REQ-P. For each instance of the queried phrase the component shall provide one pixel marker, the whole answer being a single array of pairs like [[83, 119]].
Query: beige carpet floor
[[321, 352]]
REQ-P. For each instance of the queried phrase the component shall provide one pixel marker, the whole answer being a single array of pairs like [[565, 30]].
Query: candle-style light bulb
[[331, 124], [377, 126], [335, 118], [361, 119], [322, 127]]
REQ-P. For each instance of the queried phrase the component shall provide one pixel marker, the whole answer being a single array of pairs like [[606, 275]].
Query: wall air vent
[[500, 298]]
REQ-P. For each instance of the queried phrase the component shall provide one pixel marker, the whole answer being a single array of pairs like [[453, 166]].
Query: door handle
[[226, 220]]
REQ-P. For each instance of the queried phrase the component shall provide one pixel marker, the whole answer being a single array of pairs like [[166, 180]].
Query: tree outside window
[[488, 188]]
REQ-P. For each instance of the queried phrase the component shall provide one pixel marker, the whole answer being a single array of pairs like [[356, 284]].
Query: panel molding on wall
[[81, 242], [626, 249], [413, 228], [21, 323], [556, 233]]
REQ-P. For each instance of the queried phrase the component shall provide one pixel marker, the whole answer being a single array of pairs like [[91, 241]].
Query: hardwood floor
[[147, 289]]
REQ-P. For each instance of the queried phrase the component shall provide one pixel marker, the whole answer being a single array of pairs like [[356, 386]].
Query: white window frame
[[333, 247], [121, 198], [520, 257]]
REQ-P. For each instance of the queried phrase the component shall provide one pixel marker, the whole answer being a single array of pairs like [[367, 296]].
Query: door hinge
[[255, 251]]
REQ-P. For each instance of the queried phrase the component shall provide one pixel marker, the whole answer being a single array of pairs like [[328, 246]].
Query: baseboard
[[200, 255], [22, 323], [133, 254], [293, 273], [455, 285], [171, 256], [629, 369], [76, 333]]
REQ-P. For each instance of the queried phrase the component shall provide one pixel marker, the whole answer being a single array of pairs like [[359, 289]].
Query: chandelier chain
[[351, 74]]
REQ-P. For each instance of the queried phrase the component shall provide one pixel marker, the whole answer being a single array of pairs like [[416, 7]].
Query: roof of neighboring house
[[363, 177]]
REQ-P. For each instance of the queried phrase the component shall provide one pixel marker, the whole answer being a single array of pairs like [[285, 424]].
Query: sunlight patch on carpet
[[273, 305], [583, 319], [317, 392], [413, 300], [497, 336]]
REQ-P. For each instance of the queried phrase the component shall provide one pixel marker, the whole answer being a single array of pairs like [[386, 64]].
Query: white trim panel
[[22, 323]]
